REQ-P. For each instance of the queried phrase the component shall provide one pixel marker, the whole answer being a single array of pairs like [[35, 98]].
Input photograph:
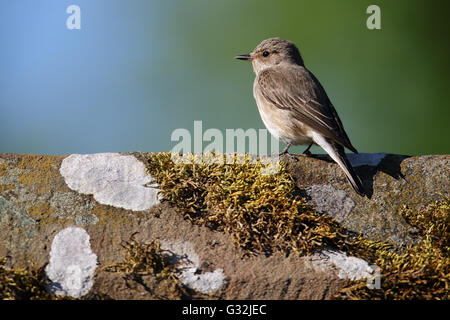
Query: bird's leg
[[307, 152], [285, 150]]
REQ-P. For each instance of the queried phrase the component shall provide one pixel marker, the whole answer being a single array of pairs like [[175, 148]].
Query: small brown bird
[[295, 107]]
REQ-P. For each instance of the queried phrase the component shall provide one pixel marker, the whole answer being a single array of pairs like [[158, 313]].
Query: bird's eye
[[266, 53]]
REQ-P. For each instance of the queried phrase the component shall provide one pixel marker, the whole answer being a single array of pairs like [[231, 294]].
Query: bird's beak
[[244, 57]]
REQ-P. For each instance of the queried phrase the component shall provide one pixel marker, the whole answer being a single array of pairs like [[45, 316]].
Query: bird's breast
[[280, 122]]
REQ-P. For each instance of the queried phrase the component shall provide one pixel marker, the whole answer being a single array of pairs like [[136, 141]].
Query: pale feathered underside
[[296, 89]]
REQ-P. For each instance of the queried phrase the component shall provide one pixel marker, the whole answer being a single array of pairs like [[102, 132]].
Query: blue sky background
[[137, 70]]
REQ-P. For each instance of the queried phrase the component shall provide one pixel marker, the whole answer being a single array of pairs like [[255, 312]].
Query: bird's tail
[[351, 175], [337, 153]]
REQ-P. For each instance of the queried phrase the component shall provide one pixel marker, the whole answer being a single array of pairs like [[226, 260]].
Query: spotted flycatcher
[[295, 107]]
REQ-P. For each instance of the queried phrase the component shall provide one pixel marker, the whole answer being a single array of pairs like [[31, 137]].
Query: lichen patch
[[205, 282], [117, 180], [188, 264], [72, 263], [347, 267]]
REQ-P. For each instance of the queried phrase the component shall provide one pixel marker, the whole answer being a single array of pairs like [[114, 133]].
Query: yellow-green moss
[[420, 272], [260, 211], [30, 284], [6, 187], [263, 213], [3, 168], [144, 259], [21, 284]]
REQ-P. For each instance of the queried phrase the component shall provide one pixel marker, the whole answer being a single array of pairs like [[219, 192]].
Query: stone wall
[[72, 214]]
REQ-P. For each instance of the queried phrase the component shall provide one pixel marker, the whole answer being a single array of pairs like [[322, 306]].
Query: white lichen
[[203, 282], [72, 263], [114, 179], [347, 267], [188, 263]]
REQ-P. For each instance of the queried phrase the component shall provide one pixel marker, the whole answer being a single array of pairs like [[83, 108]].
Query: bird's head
[[272, 52]]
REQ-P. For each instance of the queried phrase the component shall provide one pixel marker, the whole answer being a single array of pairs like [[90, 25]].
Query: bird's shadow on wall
[[389, 164]]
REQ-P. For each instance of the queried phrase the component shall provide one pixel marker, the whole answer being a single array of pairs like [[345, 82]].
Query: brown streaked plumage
[[294, 106]]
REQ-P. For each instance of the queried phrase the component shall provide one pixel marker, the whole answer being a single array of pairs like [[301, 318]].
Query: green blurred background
[[137, 70]]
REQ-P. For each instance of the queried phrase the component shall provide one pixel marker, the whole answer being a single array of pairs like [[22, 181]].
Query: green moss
[[260, 211], [22, 284], [3, 168], [144, 259], [6, 187], [263, 213], [420, 272]]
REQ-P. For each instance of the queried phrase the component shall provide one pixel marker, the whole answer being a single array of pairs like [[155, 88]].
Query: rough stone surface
[[393, 181], [326, 198], [36, 204]]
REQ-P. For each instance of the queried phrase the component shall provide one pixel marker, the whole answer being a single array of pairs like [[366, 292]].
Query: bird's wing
[[296, 89]]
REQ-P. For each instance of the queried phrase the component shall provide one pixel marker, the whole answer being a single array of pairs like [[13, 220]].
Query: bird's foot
[[290, 155], [285, 152]]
